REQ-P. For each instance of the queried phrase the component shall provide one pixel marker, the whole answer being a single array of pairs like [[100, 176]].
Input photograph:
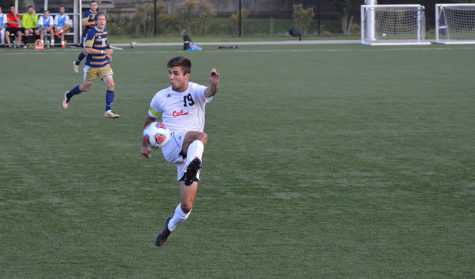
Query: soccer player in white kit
[[182, 109]]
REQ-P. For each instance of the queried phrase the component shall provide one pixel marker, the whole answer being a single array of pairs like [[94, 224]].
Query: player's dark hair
[[98, 15], [182, 62], [12, 5]]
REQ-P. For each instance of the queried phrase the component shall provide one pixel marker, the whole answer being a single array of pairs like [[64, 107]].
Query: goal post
[[393, 25], [455, 23]]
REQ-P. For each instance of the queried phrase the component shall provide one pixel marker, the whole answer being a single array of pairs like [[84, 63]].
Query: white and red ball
[[156, 135]]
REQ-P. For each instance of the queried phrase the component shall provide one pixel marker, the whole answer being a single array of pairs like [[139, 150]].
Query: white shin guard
[[195, 150], [178, 218]]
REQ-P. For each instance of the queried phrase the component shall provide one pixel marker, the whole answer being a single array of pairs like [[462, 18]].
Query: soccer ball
[[133, 44], [156, 135]]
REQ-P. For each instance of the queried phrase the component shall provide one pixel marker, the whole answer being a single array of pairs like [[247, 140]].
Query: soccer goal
[[393, 25], [455, 23]]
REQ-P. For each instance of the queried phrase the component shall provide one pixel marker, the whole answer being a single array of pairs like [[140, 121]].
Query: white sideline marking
[[362, 49]]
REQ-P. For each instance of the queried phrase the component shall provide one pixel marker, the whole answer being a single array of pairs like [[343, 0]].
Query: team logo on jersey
[[180, 113]]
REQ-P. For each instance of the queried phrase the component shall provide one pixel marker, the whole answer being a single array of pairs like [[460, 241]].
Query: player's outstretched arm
[[90, 50], [146, 150], [212, 89]]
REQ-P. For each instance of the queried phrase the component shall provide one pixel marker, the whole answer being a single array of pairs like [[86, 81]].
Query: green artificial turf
[[331, 161]]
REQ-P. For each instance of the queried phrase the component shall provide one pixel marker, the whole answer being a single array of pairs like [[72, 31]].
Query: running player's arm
[[90, 50], [212, 89]]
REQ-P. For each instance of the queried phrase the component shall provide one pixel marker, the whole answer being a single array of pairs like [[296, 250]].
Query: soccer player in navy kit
[[97, 65], [88, 22]]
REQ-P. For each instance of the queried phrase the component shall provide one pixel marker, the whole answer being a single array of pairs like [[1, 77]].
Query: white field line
[[214, 50]]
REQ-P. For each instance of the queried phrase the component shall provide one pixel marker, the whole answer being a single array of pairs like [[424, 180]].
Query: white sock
[[42, 42], [2, 35], [178, 218], [52, 42], [62, 42], [195, 150]]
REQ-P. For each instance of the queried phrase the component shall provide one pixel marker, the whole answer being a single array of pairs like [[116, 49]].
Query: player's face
[[12, 9], [46, 15], [178, 80], [101, 22], [94, 6], [61, 10], [30, 10]]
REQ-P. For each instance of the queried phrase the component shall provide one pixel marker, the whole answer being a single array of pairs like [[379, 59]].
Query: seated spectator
[[46, 24], [13, 27], [61, 25], [29, 22], [3, 25]]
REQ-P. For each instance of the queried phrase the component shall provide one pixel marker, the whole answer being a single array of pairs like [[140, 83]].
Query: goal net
[[393, 25], [455, 23]]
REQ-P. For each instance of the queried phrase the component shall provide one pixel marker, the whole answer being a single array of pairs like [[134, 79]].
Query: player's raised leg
[[193, 147], [75, 91]]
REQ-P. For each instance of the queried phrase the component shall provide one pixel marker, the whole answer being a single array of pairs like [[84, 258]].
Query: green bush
[[196, 17], [302, 17], [142, 23], [235, 20]]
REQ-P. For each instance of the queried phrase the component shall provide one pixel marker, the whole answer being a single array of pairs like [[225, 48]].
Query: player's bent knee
[[85, 87], [203, 138], [186, 206]]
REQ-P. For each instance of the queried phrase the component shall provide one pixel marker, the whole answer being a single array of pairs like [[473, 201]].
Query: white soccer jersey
[[3, 20], [45, 22], [61, 20], [181, 111]]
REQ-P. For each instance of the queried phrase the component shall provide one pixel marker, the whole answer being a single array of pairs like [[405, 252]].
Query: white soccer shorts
[[172, 151]]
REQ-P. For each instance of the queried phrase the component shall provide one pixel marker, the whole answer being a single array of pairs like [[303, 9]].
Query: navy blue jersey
[[88, 17], [96, 39]]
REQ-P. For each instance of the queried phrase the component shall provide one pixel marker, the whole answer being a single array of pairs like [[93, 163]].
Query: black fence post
[[318, 17], [155, 17], [240, 19]]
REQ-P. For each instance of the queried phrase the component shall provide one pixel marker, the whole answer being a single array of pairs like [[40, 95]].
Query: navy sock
[[109, 99], [80, 58], [74, 91]]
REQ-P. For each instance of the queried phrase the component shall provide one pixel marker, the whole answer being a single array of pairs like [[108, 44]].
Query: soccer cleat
[[110, 115], [75, 67], [66, 100], [191, 171], [162, 236]]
